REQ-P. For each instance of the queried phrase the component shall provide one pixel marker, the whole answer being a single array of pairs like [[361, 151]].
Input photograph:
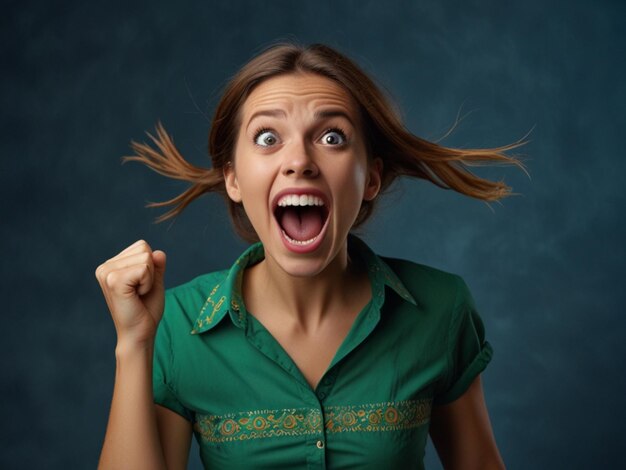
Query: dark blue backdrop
[[546, 268]]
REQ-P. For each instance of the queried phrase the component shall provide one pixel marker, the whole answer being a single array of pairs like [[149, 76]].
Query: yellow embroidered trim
[[216, 306], [371, 417], [258, 424]]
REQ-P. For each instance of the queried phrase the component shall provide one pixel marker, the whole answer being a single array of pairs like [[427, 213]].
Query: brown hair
[[403, 153]]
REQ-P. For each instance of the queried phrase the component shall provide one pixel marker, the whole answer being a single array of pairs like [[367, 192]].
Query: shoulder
[[184, 301], [430, 286]]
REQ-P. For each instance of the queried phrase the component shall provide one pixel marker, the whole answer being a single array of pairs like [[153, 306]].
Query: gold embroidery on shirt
[[390, 416], [258, 424], [371, 417], [216, 306]]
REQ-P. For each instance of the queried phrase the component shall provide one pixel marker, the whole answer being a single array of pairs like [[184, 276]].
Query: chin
[[302, 268]]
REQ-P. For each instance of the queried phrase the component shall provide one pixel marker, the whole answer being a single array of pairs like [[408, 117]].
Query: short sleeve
[[468, 352], [163, 386]]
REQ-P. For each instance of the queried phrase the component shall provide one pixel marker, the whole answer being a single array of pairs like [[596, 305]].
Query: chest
[[312, 352], [370, 410]]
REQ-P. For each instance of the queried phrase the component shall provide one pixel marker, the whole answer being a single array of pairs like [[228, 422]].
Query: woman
[[311, 351]]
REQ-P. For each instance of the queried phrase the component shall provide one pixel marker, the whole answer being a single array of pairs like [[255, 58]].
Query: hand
[[132, 283]]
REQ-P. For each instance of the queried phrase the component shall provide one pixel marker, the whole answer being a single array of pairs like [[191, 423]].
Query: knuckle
[[111, 279], [145, 270], [144, 244], [101, 272]]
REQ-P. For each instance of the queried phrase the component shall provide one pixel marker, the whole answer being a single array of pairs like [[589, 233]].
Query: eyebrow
[[319, 115]]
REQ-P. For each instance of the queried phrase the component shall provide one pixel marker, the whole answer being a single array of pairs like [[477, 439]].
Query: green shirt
[[419, 342]]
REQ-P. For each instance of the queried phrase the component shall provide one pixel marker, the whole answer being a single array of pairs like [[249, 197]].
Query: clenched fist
[[132, 283]]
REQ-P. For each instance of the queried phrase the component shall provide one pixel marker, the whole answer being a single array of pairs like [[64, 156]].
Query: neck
[[305, 302]]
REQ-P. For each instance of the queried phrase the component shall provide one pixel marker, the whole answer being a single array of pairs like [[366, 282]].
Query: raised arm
[[462, 434], [140, 435]]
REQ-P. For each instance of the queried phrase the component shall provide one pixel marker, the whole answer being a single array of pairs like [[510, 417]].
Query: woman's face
[[301, 169]]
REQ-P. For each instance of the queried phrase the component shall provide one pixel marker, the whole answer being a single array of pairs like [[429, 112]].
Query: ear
[[374, 179], [231, 183]]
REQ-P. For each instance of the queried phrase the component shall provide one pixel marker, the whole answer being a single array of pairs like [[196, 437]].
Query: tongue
[[302, 223]]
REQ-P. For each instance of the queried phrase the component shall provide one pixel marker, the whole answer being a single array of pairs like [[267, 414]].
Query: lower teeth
[[298, 242]]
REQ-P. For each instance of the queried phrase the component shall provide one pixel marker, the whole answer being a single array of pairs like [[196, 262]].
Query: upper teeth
[[300, 200]]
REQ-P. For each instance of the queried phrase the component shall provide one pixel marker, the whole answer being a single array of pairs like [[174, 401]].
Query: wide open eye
[[333, 137], [265, 138]]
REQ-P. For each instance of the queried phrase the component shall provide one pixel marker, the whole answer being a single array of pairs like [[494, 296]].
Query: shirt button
[[321, 395], [320, 444]]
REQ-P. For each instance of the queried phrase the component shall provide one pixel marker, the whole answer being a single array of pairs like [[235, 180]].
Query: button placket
[[325, 385], [327, 381], [317, 443]]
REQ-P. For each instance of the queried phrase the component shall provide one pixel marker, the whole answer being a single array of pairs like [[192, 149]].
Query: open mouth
[[301, 217]]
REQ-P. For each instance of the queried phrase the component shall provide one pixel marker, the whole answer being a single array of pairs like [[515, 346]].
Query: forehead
[[285, 92]]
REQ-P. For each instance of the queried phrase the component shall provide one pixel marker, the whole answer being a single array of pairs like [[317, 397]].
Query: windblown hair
[[403, 153]]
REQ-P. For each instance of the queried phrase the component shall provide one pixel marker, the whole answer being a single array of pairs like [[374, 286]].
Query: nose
[[299, 162]]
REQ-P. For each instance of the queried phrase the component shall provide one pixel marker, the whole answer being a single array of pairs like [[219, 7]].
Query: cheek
[[254, 187], [350, 190], [248, 173], [354, 179]]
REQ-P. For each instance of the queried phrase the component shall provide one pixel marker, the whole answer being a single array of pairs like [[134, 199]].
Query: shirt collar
[[226, 297], [380, 273]]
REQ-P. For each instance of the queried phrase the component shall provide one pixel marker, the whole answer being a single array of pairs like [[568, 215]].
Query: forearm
[[132, 438]]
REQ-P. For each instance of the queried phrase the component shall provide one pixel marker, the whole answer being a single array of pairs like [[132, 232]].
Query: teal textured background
[[80, 80]]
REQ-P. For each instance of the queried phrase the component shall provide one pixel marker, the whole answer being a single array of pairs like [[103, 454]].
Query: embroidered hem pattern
[[373, 417]]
